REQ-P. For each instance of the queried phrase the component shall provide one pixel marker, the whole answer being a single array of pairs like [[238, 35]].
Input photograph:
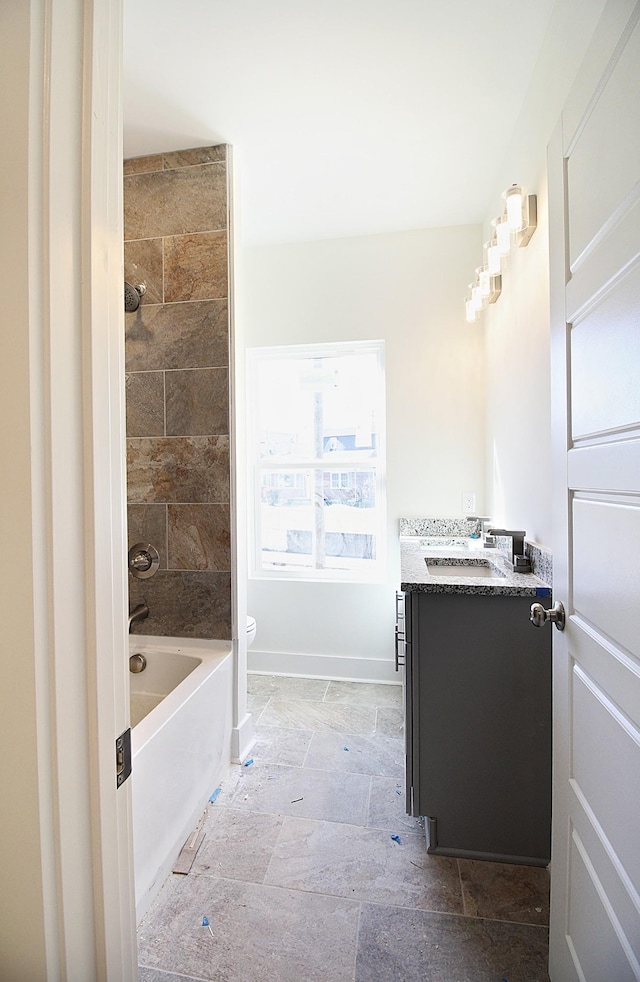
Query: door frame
[[75, 572]]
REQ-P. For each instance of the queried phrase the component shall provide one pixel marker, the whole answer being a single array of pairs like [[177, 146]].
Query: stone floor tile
[[300, 841], [387, 809], [257, 933], [278, 789], [505, 892], [365, 694], [278, 745], [155, 975], [363, 864], [390, 722], [357, 754], [237, 844], [260, 688], [416, 946], [320, 716]]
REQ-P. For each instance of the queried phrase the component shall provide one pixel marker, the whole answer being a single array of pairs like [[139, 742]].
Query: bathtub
[[180, 748]]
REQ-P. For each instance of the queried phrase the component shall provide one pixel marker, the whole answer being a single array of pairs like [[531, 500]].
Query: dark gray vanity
[[477, 705]]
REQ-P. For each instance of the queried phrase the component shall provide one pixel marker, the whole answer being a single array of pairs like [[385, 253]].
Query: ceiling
[[347, 117]]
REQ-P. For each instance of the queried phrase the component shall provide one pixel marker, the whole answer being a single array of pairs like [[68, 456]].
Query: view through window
[[318, 449]]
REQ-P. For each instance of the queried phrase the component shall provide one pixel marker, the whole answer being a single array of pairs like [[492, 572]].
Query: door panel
[[606, 871], [594, 221], [606, 155], [601, 661], [605, 743], [607, 467], [606, 582], [605, 361], [595, 951]]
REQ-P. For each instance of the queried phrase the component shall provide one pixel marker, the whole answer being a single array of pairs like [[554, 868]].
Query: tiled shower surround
[[177, 388]]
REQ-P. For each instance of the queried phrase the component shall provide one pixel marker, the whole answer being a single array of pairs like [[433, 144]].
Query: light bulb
[[476, 297], [484, 281], [494, 264], [516, 199], [503, 236]]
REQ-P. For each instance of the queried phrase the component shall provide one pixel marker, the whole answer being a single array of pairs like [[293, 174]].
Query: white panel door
[[594, 207]]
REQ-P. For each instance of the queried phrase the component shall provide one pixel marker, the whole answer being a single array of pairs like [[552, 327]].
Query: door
[[594, 208]]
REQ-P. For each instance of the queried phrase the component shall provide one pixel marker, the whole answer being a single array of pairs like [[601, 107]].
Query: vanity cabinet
[[477, 692]]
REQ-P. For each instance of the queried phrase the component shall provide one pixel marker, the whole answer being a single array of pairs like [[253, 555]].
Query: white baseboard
[[340, 667], [242, 739]]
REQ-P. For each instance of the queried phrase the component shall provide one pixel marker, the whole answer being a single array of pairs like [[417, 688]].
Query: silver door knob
[[539, 616]]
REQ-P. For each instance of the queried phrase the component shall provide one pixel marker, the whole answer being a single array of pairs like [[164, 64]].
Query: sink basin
[[483, 570]]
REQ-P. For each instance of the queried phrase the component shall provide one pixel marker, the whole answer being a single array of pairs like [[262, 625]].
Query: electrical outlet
[[468, 502]]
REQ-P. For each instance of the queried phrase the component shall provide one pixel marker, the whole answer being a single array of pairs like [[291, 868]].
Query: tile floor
[[301, 881]]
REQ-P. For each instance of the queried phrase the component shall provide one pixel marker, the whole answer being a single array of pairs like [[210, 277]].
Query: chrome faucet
[[519, 562], [138, 614]]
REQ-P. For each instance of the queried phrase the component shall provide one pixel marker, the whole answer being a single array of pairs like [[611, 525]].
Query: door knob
[[540, 616]]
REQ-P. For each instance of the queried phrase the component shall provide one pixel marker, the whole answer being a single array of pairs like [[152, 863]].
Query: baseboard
[[242, 739], [341, 667]]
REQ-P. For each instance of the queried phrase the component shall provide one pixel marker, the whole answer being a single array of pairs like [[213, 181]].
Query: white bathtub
[[180, 750]]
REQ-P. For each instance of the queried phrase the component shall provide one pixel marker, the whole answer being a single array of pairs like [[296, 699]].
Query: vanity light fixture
[[514, 227], [476, 296], [515, 199], [494, 260], [496, 288], [503, 235], [522, 213], [483, 280]]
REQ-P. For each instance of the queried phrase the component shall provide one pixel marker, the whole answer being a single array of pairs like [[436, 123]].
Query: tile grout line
[[368, 805], [306, 753], [355, 952], [259, 716], [462, 893], [274, 847], [174, 975]]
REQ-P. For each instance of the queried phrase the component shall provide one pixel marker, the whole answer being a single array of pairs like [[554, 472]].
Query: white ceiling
[[347, 117]]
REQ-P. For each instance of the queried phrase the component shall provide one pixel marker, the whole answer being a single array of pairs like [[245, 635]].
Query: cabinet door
[[481, 704]]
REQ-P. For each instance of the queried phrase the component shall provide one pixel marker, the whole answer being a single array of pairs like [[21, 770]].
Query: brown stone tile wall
[[177, 389]]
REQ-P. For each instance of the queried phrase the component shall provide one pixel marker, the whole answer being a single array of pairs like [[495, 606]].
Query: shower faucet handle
[[143, 560]]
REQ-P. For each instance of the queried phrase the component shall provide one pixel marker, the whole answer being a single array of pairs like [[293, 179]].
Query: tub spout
[[138, 614]]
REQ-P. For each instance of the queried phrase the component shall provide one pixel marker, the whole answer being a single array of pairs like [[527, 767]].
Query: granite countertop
[[418, 577]]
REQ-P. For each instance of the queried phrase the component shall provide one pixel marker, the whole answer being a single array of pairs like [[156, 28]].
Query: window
[[317, 420]]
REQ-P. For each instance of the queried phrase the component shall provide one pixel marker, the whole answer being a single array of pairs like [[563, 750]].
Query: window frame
[[375, 571]]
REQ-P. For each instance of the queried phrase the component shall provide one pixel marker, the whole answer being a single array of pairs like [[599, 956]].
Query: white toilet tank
[[251, 630]]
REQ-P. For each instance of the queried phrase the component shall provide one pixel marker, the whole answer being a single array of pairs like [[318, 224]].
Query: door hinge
[[123, 757]]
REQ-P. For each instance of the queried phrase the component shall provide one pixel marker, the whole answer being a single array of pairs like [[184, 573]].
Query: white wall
[[518, 435], [407, 288]]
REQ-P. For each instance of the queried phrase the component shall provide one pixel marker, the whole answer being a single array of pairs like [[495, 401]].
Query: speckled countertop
[[419, 577]]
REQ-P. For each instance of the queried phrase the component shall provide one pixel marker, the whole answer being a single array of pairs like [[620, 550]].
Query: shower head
[[132, 295]]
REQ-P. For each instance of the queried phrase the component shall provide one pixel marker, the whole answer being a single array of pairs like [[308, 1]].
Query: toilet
[[251, 630]]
